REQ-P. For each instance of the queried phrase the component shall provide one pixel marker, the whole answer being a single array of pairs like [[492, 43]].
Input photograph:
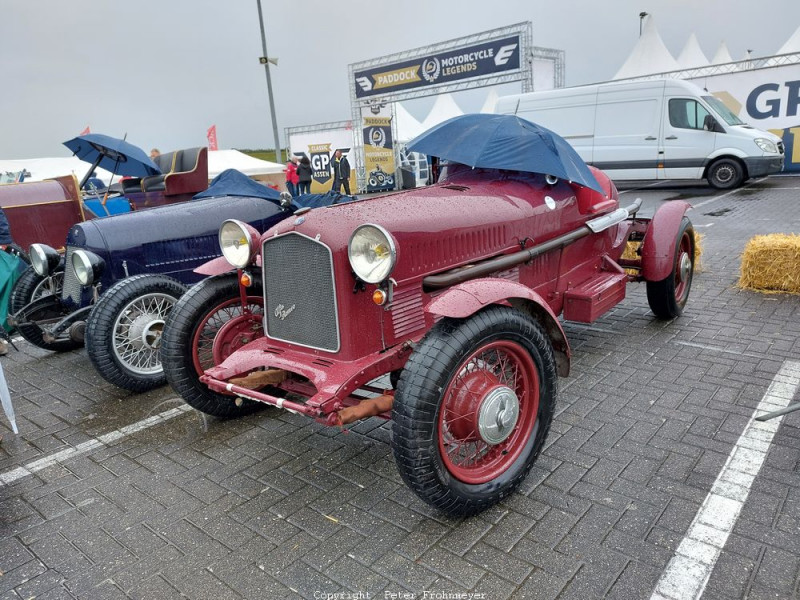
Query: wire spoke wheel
[[138, 330], [225, 329]]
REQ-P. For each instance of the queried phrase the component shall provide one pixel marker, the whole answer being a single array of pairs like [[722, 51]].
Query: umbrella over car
[[505, 142], [112, 154]]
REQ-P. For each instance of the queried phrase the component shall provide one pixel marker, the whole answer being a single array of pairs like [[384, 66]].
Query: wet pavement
[[107, 494]]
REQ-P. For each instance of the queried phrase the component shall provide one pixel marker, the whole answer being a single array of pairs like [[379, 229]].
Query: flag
[[86, 131], [211, 134]]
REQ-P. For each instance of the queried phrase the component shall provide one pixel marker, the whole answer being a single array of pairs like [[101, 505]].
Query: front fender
[[465, 299], [216, 266], [660, 240]]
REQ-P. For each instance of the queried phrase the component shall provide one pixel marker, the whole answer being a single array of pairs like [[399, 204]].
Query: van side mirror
[[710, 124]]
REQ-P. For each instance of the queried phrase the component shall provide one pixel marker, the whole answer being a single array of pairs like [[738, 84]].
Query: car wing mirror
[[710, 124]]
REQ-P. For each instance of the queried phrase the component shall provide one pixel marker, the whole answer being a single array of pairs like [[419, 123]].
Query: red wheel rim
[[683, 275], [224, 329], [499, 367]]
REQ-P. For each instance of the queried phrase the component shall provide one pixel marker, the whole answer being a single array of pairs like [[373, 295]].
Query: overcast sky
[[163, 71]]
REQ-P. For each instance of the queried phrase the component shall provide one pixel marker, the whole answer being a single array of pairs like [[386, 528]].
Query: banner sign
[[468, 62], [767, 98], [319, 146], [379, 165]]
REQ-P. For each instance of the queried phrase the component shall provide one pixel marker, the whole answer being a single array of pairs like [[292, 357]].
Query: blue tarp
[[317, 200], [235, 183]]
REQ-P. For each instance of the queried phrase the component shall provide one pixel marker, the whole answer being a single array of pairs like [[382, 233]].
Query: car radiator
[[299, 292], [72, 287]]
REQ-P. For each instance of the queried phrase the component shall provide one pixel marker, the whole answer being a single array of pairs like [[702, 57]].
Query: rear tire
[[473, 408], [124, 330], [667, 298], [204, 328], [725, 174]]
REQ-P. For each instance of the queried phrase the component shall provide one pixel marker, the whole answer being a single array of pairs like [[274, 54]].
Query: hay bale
[[771, 263], [632, 252]]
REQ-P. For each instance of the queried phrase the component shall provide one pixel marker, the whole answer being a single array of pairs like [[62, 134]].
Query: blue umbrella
[[112, 154], [505, 142]]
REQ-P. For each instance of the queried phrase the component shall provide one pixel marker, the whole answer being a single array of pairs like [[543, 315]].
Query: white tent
[[722, 55], [692, 56], [444, 108], [219, 160], [490, 102], [47, 168], [649, 55], [792, 44], [407, 126]]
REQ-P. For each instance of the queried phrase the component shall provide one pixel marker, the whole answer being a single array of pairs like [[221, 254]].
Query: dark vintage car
[[123, 274], [453, 291]]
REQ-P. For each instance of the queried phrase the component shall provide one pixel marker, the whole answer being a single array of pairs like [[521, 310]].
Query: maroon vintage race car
[[454, 291]]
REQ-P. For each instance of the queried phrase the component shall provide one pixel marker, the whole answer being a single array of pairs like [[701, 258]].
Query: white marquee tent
[[444, 108], [792, 44], [722, 55], [692, 56], [407, 126], [649, 55], [490, 102], [219, 160]]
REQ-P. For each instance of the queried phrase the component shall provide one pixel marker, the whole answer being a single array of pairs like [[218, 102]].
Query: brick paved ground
[[276, 506]]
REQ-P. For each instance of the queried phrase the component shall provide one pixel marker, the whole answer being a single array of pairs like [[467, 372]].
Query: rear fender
[[661, 239], [465, 299]]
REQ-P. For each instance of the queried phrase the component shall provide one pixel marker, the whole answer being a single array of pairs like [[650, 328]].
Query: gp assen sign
[[476, 60]]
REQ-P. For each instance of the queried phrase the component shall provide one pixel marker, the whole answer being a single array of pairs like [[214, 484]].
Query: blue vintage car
[[120, 276]]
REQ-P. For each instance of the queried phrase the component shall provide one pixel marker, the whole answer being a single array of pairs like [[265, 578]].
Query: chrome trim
[[335, 295]]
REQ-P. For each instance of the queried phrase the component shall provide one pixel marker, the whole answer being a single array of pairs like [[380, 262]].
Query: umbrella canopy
[[112, 154], [505, 142]]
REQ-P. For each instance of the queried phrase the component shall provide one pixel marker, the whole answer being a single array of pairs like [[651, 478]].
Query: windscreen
[[723, 111]]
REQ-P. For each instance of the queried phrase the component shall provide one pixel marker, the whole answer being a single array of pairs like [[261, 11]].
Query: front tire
[[667, 298], [124, 330], [32, 286], [206, 326], [725, 174], [473, 408]]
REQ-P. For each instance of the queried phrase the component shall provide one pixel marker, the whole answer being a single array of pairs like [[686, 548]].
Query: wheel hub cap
[[145, 332], [685, 267], [498, 415]]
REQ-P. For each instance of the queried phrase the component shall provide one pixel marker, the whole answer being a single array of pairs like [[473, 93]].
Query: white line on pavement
[[687, 573], [726, 194], [59, 457]]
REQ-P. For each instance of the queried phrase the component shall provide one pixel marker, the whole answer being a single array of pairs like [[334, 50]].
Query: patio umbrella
[[505, 142], [112, 154]]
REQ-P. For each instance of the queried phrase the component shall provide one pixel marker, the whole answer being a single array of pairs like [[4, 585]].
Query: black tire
[[667, 298], [438, 381], [725, 174], [125, 327], [189, 338], [29, 287]]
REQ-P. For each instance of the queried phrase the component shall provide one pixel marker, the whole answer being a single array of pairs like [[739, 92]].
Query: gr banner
[[379, 166], [767, 98], [467, 62], [319, 147]]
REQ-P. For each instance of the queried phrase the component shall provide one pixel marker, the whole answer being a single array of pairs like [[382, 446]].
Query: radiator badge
[[282, 312]]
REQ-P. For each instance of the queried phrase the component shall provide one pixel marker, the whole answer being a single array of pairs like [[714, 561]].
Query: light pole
[[642, 15], [265, 60]]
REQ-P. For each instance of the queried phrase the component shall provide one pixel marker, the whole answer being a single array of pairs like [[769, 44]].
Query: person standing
[[304, 176], [291, 176], [341, 172]]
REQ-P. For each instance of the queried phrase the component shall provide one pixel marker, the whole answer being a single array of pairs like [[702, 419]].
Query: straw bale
[[771, 264], [632, 252]]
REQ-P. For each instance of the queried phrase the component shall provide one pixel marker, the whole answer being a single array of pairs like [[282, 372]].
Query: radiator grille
[[72, 287], [299, 288]]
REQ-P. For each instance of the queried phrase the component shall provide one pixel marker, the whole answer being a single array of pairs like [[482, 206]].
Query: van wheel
[[725, 174]]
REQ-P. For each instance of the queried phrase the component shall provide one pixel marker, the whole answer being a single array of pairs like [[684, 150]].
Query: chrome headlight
[[766, 145], [43, 259], [87, 266], [236, 243], [372, 253]]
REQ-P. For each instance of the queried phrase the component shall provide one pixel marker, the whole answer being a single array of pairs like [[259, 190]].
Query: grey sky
[[163, 71]]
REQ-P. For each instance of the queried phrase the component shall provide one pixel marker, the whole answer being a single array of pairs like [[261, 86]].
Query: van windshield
[[723, 111]]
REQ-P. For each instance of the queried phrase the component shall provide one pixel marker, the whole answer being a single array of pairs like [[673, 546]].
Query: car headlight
[[87, 266], [236, 240], [43, 259], [372, 253], [766, 145]]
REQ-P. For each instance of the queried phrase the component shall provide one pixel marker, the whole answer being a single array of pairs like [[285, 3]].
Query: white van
[[657, 129]]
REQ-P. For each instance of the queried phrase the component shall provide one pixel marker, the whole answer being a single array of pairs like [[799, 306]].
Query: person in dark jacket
[[304, 176], [341, 172]]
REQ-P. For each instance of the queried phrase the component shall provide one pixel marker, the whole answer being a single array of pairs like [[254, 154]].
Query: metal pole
[[642, 15], [278, 149]]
